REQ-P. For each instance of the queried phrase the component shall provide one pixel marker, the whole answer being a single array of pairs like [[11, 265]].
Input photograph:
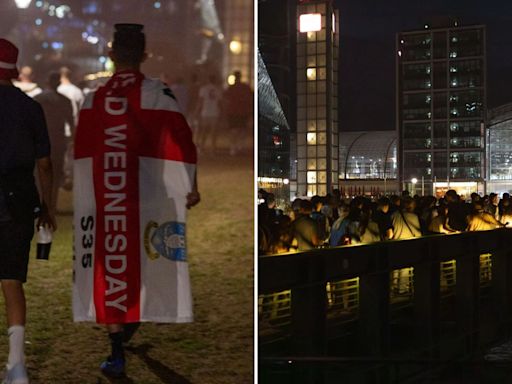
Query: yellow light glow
[[311, 177], [310, 22], [311, 73], [98, 75], [235, 47], [231, 79], [312, 138]]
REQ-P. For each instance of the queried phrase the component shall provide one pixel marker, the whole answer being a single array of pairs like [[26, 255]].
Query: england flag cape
[[134, 165]]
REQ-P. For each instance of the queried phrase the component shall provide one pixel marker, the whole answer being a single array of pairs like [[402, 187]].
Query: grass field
[[216, 348]]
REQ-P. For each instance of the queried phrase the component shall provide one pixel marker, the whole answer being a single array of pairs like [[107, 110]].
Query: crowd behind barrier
[[332, 220]]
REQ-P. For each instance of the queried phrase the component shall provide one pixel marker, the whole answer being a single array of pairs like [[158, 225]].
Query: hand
[[47, 218], [193, 198]]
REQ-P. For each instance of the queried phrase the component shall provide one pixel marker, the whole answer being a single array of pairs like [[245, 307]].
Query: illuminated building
[[276, 84], [499, 149], [368, 163], [238, 22], [317, 49], [273, 139], [441, 103]]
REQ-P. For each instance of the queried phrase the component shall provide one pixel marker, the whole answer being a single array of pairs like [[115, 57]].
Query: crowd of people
[[203, 101], [331, 221]]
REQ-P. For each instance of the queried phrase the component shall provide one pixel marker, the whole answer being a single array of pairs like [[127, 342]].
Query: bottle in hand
[[44, 243]]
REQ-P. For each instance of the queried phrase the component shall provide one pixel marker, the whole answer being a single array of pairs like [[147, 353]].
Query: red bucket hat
[[8, 58]]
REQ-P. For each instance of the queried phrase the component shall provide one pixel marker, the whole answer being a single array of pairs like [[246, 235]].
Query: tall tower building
[[441, 103], [317, 98]]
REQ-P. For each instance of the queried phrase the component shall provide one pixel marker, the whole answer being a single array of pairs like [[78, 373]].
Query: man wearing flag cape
[[135, 177]]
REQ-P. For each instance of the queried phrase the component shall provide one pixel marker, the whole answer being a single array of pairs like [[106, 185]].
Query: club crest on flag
[[167, 240]]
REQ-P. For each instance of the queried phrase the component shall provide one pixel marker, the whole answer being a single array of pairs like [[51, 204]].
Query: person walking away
[[75, 94], [58, 111], [209, 108], [24, 146], [26, 83], [72, 92], [135, 167], [238, 110]]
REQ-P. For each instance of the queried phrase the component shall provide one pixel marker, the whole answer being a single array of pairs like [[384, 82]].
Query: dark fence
[[384, 312]]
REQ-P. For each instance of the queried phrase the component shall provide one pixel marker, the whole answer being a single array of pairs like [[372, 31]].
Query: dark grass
[[216, 348]]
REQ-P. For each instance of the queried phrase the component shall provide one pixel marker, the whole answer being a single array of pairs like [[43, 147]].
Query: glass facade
[[499, 148], [368, 155], [441, 103], [317, 106]]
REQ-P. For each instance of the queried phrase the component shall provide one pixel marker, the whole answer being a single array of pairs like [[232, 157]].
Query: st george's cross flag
[[134, 165]]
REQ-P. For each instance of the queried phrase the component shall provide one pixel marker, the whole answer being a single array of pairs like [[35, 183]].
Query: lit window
[[454, 83], [311, 177], [454, 39], [310, 22], [453, 69], [311, 138], [453, 54], [311, 73], [311, 36]]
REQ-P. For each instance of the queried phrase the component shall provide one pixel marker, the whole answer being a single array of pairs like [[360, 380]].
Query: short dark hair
[[54, 80], [129, 43]]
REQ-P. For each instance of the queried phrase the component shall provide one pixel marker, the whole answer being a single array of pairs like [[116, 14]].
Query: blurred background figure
[[238, 111], [208, 109], [71, 91], [58, 111], [75, 94], [25, 82]]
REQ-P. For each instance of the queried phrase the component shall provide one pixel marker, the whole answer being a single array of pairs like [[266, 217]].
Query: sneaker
[[113, 367], [16, 375]]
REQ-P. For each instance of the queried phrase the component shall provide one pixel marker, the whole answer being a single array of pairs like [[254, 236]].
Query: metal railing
[[436, 298]]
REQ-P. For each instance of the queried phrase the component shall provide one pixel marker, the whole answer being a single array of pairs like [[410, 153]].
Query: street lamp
[[414, 181], [23, 3]]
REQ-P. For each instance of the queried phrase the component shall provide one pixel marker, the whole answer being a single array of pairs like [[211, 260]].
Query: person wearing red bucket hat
[[24, 146], [8, 58]]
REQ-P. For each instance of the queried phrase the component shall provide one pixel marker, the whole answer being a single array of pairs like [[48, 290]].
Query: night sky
[[367, 40]]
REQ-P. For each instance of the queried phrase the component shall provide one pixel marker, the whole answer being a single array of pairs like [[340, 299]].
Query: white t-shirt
[[73, 93], [210, 97]]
